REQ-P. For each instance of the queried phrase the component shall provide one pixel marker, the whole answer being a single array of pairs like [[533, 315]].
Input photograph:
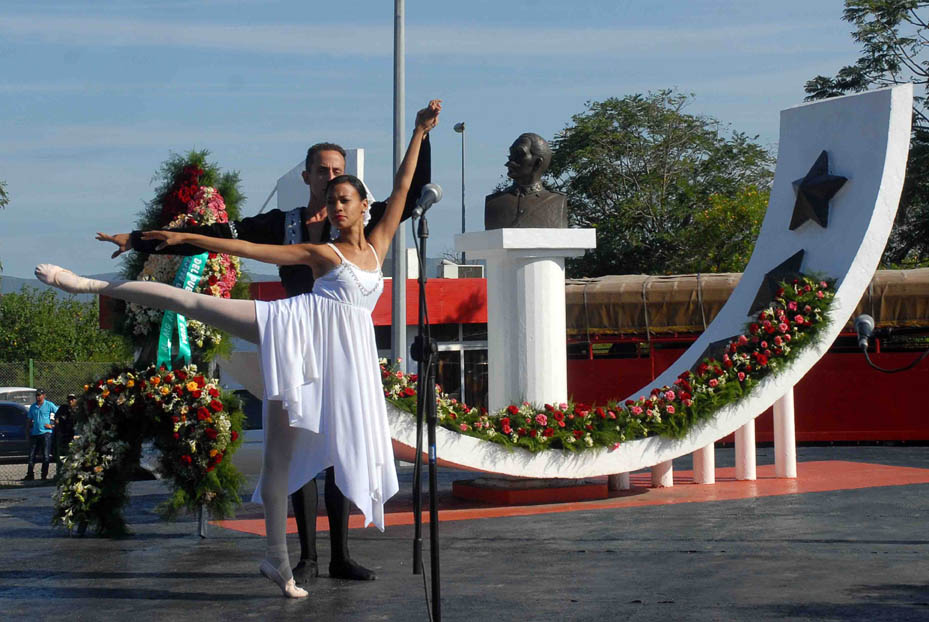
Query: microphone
[[864, 326], [432, 193]]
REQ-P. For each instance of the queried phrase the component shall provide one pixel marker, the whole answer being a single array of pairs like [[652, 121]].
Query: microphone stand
[[424, 351]]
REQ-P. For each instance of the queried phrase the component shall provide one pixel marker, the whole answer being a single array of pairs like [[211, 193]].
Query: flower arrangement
[[770, 342], [192, 192], [204, 206], [189, 419]]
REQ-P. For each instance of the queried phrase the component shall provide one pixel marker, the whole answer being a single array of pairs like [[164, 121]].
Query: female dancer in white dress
[[323, 395]]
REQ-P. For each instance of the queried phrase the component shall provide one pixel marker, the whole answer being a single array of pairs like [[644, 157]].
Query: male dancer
[[324, 161]]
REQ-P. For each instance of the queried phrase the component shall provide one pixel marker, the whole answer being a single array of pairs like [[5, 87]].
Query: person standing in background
[[41, 424]]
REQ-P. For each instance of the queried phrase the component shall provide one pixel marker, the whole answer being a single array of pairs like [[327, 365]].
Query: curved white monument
[[865, 139]]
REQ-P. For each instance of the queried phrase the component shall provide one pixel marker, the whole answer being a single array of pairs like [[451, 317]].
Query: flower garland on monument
[[192, 422], [777, 334]]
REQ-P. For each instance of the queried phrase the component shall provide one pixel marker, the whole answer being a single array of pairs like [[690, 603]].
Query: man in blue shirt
[[41, 424]]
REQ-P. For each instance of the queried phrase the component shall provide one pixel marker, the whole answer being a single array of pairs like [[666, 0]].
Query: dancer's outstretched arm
[[382, 234], [282, 255]]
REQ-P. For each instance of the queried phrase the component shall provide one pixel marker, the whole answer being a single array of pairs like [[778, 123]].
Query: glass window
[[12, 416], [382, 337], [444, 332], [474, 332], [448, 373], [475, 362]]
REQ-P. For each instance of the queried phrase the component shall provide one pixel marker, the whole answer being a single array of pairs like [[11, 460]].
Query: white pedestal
[[526, 339], [785, 439], [745, 458], [705, 465]]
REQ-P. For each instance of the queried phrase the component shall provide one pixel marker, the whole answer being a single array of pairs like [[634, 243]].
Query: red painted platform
[[474, 490], [812, 477]]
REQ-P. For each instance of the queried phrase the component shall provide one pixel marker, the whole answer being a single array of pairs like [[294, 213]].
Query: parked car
[[22, 395], [14, 437]]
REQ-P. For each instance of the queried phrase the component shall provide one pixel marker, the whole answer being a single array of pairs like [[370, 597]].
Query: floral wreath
[[776, 335], [190, 420]]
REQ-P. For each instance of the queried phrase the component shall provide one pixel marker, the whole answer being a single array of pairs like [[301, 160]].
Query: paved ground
[[860, 554]]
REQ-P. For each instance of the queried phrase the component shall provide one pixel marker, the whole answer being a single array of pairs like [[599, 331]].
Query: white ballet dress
[[319, 357]]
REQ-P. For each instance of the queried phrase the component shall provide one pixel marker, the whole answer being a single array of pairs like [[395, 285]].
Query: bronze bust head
[[526, 203]]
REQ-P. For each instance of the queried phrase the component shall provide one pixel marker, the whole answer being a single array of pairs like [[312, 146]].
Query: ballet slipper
[[305, 570], [288, 588], [63, 279], [350, 570]]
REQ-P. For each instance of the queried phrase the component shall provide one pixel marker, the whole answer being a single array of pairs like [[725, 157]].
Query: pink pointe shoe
[[288, 587], [56, 276]]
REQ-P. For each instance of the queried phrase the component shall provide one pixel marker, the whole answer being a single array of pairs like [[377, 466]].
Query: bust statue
[[526, 203]]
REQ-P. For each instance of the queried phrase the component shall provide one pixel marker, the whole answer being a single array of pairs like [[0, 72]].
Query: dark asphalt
[[843, 555]]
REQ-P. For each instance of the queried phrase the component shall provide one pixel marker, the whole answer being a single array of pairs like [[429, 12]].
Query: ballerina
[[324, 403]]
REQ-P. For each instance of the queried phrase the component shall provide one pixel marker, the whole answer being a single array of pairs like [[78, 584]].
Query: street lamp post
[[460, 128]]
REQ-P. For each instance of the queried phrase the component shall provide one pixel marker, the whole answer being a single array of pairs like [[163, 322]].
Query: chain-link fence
[[58, 378]]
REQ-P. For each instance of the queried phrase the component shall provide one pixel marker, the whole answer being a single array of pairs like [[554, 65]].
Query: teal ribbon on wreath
[[187, 277]]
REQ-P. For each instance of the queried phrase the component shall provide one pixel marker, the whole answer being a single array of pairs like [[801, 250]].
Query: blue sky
[[95, 96]]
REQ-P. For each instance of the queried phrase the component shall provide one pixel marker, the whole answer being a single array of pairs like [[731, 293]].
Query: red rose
[[533, 433], [505, 421], [196, 394], [177, 436], [578, 434], [521, 431], [216, 405], [547, 432], [200, 380], [513, 410], [202, 413], [234, 436], [211, 433], [212, 280], [409, 392], [169, 378], [186, 459], [181, 374], [213, 393]]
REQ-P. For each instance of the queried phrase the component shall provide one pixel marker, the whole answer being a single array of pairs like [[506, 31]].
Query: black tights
[[337, 508]]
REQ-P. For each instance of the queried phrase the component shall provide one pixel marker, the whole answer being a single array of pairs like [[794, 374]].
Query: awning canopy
[[638, 304]]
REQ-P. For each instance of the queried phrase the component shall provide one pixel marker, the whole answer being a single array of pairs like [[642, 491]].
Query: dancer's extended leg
[[278, 449], [233, 316]]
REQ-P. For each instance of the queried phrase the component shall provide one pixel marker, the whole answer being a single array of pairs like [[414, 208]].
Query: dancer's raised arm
[[382, 234], [290, 255]]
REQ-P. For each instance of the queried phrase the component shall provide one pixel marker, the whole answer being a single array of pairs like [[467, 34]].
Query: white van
[[20, 395]]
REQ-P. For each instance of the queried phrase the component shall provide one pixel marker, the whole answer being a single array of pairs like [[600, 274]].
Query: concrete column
[[541, 348], [745, 463], [663, 475], [705, 465], [620, 481], [526, 353], [785, 438], [501, 365]]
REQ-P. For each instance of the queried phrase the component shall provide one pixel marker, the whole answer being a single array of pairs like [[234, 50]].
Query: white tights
[[238, 318]]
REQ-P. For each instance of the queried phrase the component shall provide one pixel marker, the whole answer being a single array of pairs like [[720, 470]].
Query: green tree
[[644, 172], [39, 325], [893, 36]]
